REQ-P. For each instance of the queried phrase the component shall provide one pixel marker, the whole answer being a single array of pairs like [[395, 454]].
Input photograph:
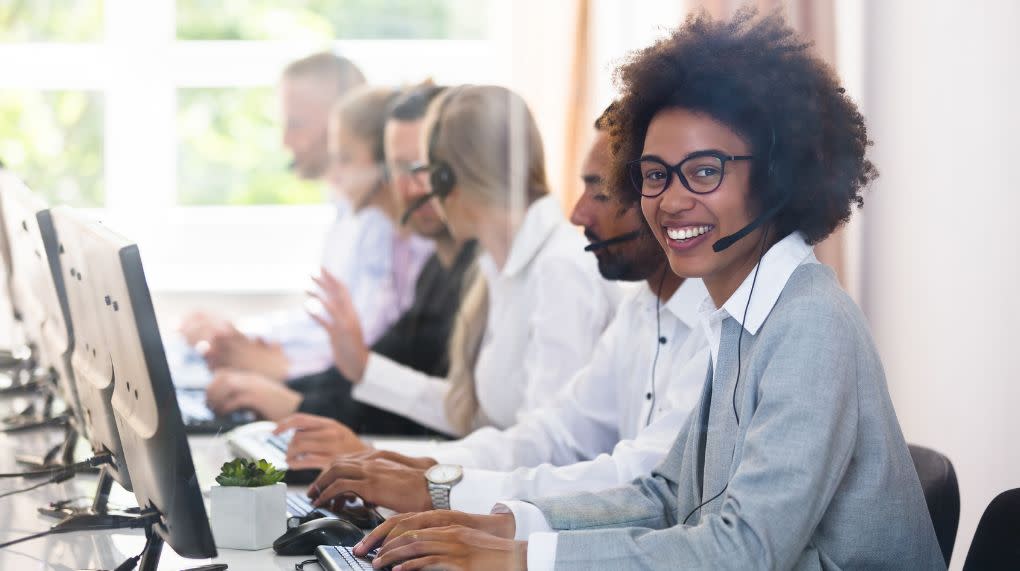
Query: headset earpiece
[[441, 176], [442, 179]]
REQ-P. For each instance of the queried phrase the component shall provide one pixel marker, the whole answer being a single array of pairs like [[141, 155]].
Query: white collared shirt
[[548, 306], [378, 267], [776, 267], [612, 423]]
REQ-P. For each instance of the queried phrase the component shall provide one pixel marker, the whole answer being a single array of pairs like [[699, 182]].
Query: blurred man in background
[[309, 88]]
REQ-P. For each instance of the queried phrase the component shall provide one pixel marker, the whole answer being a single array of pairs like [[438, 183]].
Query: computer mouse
[[303, 539]]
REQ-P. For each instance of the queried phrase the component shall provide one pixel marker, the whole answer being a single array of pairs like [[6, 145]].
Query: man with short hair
[[308, 89]]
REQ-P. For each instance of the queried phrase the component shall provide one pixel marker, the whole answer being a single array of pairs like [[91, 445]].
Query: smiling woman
[[795, 435]]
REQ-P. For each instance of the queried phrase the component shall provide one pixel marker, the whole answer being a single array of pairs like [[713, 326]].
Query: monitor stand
[[148, 559], [61, 455], [91, 516], [34, 416], [15, 358], [18, 375], [151, 552]]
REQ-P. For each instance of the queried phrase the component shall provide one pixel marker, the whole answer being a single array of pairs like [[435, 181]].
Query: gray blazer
[[816, 475]]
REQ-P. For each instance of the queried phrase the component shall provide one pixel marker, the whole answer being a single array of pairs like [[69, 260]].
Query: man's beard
[[645, 257]]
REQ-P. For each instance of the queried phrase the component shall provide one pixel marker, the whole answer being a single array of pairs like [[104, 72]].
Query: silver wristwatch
[[441, 478]]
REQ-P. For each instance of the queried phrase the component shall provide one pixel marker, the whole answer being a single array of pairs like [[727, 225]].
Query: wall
[[939, 253]]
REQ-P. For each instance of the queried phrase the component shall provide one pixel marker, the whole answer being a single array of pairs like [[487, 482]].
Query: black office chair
[[941, 493], [996, 543]]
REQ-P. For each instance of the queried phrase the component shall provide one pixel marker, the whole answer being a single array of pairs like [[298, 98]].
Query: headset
[[441, 176], [727, 241]]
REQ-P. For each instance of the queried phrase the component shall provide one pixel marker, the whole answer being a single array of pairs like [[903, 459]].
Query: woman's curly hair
[[756, 76]]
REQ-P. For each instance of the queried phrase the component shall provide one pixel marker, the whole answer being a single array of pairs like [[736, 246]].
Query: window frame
[[138, 67]]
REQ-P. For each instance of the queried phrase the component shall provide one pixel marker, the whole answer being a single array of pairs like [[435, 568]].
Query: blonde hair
[[363, 112], [491, 142]]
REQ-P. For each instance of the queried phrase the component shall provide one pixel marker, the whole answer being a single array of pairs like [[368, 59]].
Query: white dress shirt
[[776, 267], [548, 306], [379, 268], [601, 430]]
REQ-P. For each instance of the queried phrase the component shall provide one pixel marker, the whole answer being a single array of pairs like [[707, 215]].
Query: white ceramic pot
[[247, 518]]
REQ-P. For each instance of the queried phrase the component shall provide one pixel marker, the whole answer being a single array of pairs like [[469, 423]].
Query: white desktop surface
[[107, 549]]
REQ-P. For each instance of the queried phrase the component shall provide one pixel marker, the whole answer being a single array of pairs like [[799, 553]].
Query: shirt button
[[662, 340], [648, 396]]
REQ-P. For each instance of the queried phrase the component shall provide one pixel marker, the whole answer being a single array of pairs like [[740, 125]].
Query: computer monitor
[[7, 180], [38, 285], [91, 357], [9, 358], [144, 402]]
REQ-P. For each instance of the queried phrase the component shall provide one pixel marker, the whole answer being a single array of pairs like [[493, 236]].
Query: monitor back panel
[[39, 283], [145, 403], [7, 180], [92, 356]]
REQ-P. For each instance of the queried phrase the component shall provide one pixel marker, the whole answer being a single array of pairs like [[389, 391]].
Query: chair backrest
[[941, 493], [996, 543]]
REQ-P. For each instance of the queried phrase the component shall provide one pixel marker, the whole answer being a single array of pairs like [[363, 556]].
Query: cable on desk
[[97, 460], [63, 476], [301, 566], [26, 538], [144, 519]]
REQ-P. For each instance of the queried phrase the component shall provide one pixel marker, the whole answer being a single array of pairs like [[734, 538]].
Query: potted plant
[[248, 505]]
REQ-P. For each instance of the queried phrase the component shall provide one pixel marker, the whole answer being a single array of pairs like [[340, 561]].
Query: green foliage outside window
[[228, 139], [229, 150], [329, 19], [51, 20], [53, 140]]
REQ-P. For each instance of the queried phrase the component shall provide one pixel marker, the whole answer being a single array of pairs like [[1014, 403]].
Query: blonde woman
[[530, 317]]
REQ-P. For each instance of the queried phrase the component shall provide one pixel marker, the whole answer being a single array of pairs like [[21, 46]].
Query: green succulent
[[249, 473]]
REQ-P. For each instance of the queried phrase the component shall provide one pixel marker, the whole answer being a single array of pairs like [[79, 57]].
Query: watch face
[[444, 474]]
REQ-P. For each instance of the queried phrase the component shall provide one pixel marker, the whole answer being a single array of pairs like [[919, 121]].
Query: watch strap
[[440, 494]]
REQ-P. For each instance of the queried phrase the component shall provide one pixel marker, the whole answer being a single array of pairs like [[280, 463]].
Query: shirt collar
[[686, 299], [540, 221], [777, 266]]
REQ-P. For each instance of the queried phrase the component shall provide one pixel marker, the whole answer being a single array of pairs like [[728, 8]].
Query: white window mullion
[[140, 108]]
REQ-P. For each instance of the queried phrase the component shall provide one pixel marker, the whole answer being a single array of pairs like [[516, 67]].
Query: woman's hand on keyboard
[[231, 390], [317, 441]]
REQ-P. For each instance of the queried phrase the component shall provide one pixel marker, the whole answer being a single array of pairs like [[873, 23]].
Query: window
[[330, 19], [51, 20], [229, 152], [54, 140], [163, 114]]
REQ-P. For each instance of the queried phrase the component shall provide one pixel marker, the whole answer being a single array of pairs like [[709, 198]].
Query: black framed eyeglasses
[[701, 172]]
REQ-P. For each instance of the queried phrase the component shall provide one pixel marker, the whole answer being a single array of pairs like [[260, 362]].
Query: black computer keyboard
[[340, 558]]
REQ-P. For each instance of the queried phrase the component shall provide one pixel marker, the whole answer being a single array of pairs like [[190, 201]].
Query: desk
[[107, 549]]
